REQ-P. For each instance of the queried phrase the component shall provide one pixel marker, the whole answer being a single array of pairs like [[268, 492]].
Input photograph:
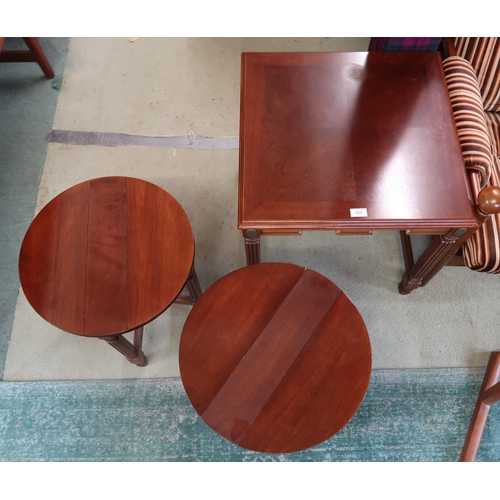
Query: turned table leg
[[252, 246], [133, 352]]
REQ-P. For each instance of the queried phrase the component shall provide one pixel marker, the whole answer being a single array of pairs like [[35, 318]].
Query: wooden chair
[[488, 395], [34, 54]]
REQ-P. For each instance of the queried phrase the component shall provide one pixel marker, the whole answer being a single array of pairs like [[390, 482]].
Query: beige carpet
[[190, 87]]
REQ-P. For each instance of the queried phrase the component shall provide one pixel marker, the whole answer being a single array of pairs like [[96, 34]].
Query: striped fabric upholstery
[[479, 137], [484, 55], [493, 123], [482, 251], [469, 116]]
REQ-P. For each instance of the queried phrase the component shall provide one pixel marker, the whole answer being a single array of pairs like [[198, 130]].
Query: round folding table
[[275, 358]]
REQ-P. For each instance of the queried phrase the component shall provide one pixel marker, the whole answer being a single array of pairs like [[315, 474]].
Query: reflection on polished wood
[[323, 134], [107, 256], [275, 358]]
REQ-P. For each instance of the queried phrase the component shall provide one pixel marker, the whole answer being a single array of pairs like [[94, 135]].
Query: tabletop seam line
[[86, 261], [293, 362], [241, 359]]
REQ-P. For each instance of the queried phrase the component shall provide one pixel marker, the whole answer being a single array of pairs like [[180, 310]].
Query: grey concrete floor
[[181, 86]]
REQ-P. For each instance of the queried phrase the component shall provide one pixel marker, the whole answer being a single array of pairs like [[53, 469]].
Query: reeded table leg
[[252, 246], [134, 352], [488, 395], [193, 285], [194, 289], [435, 257]]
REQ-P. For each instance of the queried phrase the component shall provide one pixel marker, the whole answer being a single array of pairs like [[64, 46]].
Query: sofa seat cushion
[[484, 55]]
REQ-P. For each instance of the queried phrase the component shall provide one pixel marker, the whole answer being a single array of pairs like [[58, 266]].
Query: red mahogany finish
[[322, 134], [275, 358], [107, 256]]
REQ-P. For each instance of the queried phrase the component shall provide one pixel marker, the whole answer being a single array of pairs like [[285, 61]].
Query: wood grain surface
[[106, 256], [324, 133], [275, 358]]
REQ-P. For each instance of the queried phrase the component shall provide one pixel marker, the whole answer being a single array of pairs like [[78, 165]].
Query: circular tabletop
[[106, 256], [275, 358]]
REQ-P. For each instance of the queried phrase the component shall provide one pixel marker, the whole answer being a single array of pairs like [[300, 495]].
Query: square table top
[[322, 134]]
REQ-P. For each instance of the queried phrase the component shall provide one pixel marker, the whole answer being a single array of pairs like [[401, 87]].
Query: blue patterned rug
[[407, 415]]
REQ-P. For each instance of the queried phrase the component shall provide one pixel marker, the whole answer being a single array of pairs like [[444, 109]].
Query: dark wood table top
[[106, 256], [324, 133], [275, 358]]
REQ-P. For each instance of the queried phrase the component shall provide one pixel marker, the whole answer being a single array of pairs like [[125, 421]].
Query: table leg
[[407, 250], [435, 257], [194, 289], [488, 395], [193, 286], [252, 246], [133, 352]]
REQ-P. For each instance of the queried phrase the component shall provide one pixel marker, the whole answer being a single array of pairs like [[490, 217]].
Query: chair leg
[[40, 57], [34, 54], [488, 395]]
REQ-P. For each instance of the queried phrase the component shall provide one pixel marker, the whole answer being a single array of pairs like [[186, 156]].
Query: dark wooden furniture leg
[[407, 250], [34, 54], [488, 395], [435, 257], [194, 289], [252, 246], [194, 286], [133, 352]]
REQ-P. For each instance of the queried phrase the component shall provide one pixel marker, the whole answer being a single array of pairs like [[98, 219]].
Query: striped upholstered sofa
[[472, 71]]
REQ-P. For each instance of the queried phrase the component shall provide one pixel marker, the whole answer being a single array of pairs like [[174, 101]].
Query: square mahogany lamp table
[[352, 142]]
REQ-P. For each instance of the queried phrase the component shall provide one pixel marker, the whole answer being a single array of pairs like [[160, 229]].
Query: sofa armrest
[[467, 106]]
